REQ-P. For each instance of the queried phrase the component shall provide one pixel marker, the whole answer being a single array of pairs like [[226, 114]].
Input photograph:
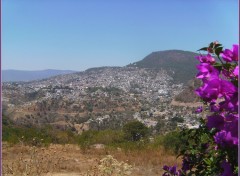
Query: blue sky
[[76, 35]]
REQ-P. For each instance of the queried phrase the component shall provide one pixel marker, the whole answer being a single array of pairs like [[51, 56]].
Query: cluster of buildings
[[100, 93]]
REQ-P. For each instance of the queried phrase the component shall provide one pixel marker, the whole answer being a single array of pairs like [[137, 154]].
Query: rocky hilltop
[[101, 98]]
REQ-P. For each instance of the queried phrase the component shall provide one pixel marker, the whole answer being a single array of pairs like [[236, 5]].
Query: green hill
[[180, 64]]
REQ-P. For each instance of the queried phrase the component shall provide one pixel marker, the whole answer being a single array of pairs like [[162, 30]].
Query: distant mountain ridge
[[12, 75], [180, 64]]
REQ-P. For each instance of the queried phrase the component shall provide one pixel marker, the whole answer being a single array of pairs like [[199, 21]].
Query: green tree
[[135, 130]]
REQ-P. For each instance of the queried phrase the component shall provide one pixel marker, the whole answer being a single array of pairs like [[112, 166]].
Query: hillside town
[[99, 98]]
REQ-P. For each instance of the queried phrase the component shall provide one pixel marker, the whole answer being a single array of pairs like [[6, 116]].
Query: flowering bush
[[212, 149]]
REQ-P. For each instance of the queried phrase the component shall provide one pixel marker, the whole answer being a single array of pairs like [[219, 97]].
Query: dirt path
[[177, 103]]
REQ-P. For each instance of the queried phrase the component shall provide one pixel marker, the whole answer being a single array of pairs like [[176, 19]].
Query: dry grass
[[145, 162], [70, 160], [26, 160]]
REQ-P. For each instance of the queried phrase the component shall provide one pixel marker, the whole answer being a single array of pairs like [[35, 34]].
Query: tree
[[135, 130]]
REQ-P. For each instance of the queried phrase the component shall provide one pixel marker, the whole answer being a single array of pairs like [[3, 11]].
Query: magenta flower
[[228, 90], [219, 137], [166, 168], [216, 88], [166, 174], [206, 59], [210, 91], [232, 117], [230, 55], [230, 104], [207, 71], [215, 121], [186, 164], [231, 124], [227, 73], [199, 109], [236, 72], [171, 171], [227, 170], [225, 139], [214, 107]]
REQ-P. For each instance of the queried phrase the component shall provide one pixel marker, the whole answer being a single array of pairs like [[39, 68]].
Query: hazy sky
[[79, 34]]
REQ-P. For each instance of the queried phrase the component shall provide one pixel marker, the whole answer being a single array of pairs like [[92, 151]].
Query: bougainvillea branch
[[212, 148]]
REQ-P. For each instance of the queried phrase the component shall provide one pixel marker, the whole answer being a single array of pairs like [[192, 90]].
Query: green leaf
[[207, 161], [235, 82], [211, 45], [203, 49], [228, 65], [217, 45], [218, 50], [218, 66], [191, 173], [213, 131]]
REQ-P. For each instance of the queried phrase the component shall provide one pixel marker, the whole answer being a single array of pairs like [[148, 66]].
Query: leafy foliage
[[200, 154], [34, 136], [135, 130], [173, 141], [106, 137]]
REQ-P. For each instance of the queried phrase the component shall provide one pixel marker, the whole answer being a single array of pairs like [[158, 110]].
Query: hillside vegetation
[[180, 64]]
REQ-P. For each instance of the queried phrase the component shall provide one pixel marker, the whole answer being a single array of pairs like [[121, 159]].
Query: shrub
[[173, 141], [34, 136], [135, 130], [106, 137]]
